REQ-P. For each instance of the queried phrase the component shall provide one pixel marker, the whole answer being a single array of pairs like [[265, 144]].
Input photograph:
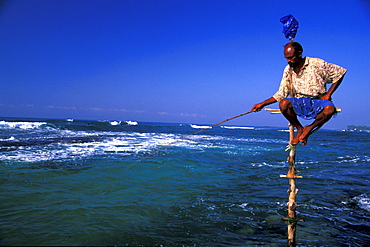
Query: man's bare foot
[[297, 138], [304, 136]]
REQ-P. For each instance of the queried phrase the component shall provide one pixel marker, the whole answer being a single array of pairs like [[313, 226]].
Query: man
[[305, 80]]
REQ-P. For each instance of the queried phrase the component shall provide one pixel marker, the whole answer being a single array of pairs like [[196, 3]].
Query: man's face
[[291, 56]]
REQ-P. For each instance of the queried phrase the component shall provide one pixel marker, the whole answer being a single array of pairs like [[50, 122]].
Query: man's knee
[[326, 113], [329, 110], [284, 105]]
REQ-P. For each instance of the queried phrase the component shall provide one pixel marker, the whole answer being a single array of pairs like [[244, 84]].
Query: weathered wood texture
[[292, 205]]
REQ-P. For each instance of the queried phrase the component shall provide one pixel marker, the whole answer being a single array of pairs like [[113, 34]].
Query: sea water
[[73, 182]]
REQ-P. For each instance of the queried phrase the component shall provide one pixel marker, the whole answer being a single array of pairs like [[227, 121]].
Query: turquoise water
[[113, 183]]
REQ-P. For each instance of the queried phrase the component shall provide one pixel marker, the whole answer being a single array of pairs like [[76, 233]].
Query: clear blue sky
[[181, 61]]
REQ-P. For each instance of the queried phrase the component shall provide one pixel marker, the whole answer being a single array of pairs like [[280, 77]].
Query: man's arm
[[259, 107], [332, 89]]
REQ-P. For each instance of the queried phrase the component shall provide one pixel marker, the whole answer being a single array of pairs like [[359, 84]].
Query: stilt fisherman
[[305, 80]]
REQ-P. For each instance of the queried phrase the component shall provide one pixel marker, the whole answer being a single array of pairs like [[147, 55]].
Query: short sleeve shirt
[[311, 80]]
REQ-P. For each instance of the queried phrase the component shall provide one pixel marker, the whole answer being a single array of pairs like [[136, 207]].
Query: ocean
[[98, 183]]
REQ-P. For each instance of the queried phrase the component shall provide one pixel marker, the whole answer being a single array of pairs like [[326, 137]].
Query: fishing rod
[[197, 132]]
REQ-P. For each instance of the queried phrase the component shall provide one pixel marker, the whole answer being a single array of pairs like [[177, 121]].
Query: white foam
[[117, 143], [237, 127], [21, 125], [9, 139], [353, 159], [363, 201], [120, 143], [114, 123], [287, 130], [199, 126], [131, 123]]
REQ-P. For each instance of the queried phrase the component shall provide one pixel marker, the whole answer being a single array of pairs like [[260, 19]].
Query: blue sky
[[180, 61]]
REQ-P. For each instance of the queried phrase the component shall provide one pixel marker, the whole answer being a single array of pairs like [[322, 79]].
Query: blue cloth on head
[[290, 26], [308, 108]]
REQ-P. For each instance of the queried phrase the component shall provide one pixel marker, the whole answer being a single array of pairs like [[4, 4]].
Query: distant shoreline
[[358, 128]]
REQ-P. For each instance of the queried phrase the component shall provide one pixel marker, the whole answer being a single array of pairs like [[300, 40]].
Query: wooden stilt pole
[[292, 218], [292, 191]]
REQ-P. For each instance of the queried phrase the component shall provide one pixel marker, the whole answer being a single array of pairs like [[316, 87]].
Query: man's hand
[[258, 107]]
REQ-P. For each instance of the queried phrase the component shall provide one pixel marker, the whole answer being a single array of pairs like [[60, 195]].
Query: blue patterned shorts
[[308, 108]]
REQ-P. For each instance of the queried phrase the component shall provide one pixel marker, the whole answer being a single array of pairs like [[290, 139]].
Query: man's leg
[[286, 109], [320, 120]]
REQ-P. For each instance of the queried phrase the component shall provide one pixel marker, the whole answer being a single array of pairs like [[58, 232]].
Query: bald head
[[297, 47], [293, 53]]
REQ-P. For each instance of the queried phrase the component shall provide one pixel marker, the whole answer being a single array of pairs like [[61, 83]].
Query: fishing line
[[187, 136]]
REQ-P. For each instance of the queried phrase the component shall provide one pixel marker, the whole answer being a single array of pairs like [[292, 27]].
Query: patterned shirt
[[311, 80]]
